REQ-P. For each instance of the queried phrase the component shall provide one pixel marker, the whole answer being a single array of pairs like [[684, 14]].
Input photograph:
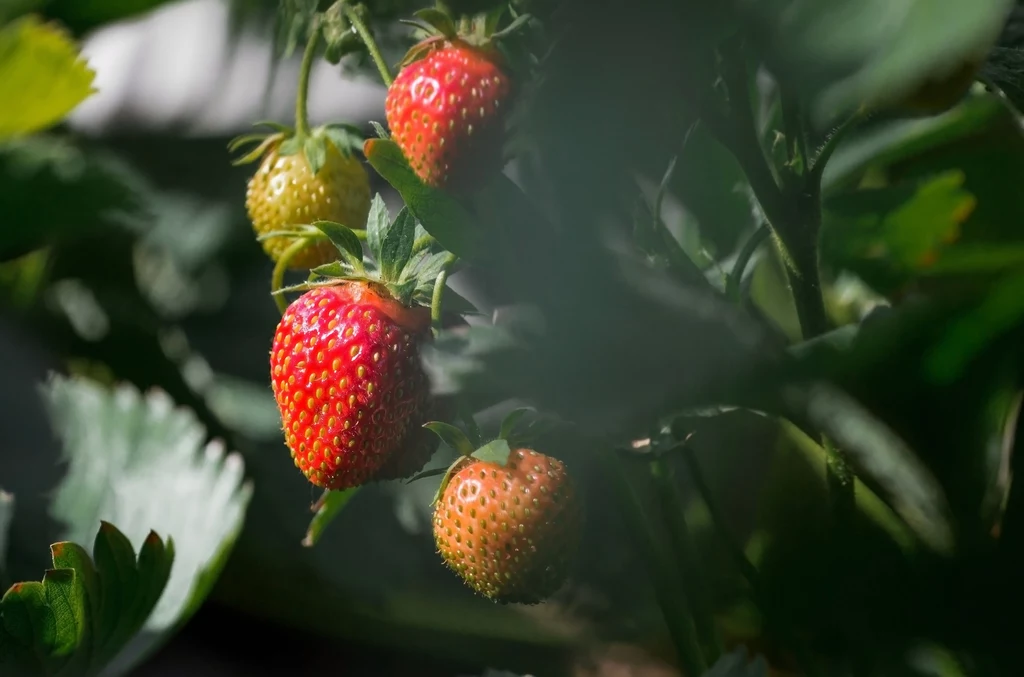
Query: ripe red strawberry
[[510, 531], [447, 113], [346, 376]]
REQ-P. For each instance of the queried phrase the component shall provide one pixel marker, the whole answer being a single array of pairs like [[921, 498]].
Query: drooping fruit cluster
[[345, 359], [447, 113], [508, 522], [347, 379], [284, 192]]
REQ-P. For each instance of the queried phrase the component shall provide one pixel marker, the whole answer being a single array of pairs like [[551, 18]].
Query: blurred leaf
[[842, 54], [738, 663], [329, 508], [881, 456], [141, 462], [893, 141], [85, 16], [888, 235], [50, 189], [6, 514], [1000, 311], [83, 613], [443, 217], [40, 69]]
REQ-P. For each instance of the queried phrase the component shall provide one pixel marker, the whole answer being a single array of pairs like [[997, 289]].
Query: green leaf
[[890, 235], [452, 436], [377, 223], [511, 421], [442, 216], [879, 455], [95, 190], [840, 54], [343, 238], [41, 69], [329, 508], [129, 457], [315, 152], [337, 269], [83, 614], [396, 245], [496, 451]]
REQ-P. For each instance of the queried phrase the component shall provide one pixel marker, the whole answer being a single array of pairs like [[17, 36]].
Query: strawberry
[[446, 112], [347, 379], [448, 107], [284, 192], [345, 366], [508, 522]]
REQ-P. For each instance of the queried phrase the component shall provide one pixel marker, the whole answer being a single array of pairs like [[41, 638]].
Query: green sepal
[[420, 49], [513, 28], [326, 509], [315, 150], [338, 270], [308, 285], [433, 472], [491, 19], [438, 20], [343, 238], [446, 479], [346, 138], [496, 451], [379, 129], [254, 154], [276, 126], [376, 223], [511, 421], [290, 146], [452, 436], [298, 231], [396, 242]]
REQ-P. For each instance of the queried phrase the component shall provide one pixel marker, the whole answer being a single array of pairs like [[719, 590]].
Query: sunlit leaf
[[41, 70]]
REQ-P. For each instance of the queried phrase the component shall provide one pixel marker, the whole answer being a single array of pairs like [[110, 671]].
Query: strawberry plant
[[661, 337]]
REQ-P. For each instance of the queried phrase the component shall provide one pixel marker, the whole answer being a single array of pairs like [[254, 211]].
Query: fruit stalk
[[674, 509], [277, 276], [301, 114], [670, 595], [371, 44], [437, 298]]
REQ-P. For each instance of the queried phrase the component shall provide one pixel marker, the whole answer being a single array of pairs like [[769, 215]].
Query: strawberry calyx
[[495, 451], [482, 31], [403, 265]]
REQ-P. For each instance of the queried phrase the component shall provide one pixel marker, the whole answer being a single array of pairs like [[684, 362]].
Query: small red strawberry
[[448, 107], [508, 522], [345, 363], [447, 114]]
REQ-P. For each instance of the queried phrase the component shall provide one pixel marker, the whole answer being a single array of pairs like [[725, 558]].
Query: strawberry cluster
[[355, 403]]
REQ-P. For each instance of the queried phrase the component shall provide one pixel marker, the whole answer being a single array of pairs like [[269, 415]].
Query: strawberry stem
[[301, 115], [277, 277], [371, 44], [438, 296]]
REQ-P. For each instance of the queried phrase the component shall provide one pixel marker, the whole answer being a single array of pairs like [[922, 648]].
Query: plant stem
[[674, 509], [371, 44], [277, 277], [301, 114], [671, 598], [732, 284], [830, 145], [746, 568], [437, 298]]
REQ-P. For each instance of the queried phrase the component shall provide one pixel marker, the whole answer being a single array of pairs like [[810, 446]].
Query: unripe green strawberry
[[447, 113], [346, 375], [284, 193], [510, 531]]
